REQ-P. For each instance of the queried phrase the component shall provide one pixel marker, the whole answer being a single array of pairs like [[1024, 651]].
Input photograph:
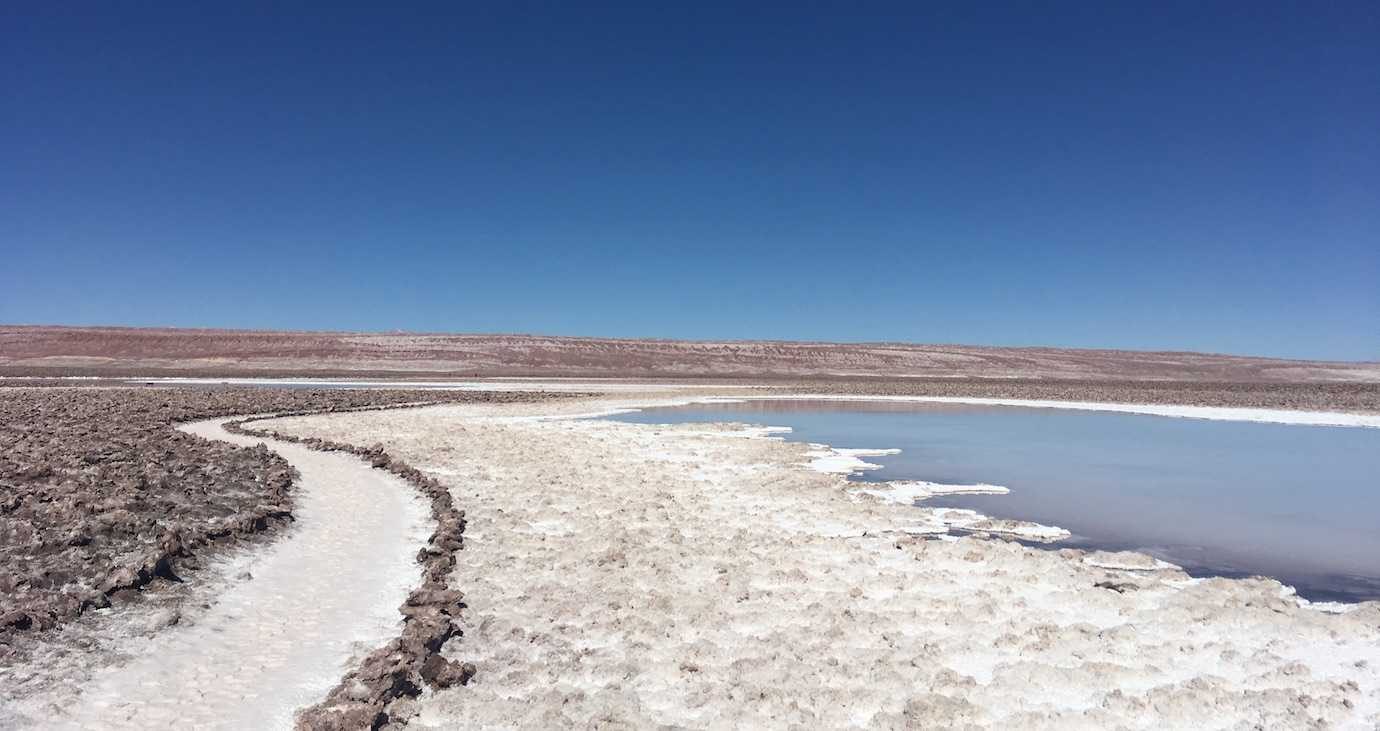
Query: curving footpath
[[320, 597]]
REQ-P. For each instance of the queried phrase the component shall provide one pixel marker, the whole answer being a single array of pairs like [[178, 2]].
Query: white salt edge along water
[[847, 461], [907, 492], [838, 460], [843, 461], [1126, 561], [974, 522]]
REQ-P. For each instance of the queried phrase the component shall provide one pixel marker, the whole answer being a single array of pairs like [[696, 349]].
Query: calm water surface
[[1298, 503]]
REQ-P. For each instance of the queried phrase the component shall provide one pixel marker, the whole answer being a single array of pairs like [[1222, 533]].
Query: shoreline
[[585, 515], [1336, 586], [1210, 413], [1298, 417], [1259, 400]]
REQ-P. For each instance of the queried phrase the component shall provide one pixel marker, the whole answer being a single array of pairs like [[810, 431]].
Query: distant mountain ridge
[[54, 350]]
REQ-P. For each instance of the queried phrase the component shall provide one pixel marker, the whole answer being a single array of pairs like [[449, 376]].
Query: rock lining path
[[320, 597]]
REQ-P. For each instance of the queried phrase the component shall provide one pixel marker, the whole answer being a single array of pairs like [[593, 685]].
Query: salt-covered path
[[322, 595]]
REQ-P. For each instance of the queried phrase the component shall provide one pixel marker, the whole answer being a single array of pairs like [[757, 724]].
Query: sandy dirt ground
[[295, 617], [634, 576]]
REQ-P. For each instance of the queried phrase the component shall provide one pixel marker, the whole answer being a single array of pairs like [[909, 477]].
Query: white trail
[[321, 596]]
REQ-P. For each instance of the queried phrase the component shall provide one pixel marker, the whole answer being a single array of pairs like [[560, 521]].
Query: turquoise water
[[1297, 503]]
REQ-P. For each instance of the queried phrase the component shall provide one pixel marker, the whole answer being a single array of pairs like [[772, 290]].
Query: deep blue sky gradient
[[1167, 175]]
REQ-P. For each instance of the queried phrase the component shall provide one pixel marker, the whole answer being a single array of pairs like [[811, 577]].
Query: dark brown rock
[[16, 619], [442, 673]]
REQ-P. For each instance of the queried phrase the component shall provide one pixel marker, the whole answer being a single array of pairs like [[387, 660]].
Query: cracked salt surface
[[768, 595]]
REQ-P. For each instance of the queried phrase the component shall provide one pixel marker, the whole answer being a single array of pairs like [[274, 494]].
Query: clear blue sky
[[1190, 175]]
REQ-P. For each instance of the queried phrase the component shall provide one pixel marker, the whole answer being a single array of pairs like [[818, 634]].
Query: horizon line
[[625, 338]]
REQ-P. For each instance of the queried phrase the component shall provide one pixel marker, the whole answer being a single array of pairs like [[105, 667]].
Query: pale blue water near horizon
[[1296, 503]]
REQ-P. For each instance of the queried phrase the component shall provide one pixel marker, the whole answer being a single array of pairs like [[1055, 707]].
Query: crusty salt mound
[[625, 575], [1126, 561], [909, 492]]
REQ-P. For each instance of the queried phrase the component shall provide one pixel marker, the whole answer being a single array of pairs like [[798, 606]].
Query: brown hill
[[51, 350]]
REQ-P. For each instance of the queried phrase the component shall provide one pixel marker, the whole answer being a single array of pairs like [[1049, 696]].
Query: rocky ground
[[100, 496], [633, 576]]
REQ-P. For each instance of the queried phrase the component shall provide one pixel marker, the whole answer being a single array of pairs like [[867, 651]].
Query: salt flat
[[628, 575]]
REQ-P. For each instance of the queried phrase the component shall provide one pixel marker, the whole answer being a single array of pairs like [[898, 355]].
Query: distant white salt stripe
[[509, 384], [1214, 413], [907, 492], [618, 409]]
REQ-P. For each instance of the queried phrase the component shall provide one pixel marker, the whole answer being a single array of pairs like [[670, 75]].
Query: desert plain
[[206, 552]]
